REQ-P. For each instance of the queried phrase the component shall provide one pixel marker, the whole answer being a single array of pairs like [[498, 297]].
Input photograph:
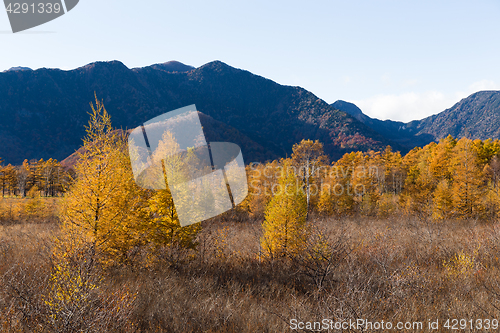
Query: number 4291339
[[40, 8]]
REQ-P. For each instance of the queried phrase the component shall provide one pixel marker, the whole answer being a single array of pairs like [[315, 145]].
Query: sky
[[399, 60]]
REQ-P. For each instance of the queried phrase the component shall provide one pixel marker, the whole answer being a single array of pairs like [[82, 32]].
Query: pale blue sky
[[401, 60]]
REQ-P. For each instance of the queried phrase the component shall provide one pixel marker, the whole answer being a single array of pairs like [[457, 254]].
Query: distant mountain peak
[[348, 107], [173, 66], [18, 69], [218, 66], [113, 64], [351, 109]]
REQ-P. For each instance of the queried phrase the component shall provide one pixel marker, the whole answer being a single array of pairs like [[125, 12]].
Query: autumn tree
[[467, 180], [368, 180], [494, 170], [104, 206], [23, 173], [262, 180], [419, 183], [337, 193], [285, 217], [9, 179], [49, 171], [486, 150], [443, 201], [308, 157], [162, 227], [326, 200], [35, 175], [391, 168], [491, 202], [440, 159]]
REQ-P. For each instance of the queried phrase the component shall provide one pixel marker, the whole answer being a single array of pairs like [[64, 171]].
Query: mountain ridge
[[44, 111], [18, 68], [477, 115]]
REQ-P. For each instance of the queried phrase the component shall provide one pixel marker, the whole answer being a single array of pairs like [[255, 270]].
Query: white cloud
[[417, 105], [404, 107]]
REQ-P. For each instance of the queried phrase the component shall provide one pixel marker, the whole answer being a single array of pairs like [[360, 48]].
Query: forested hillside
[[43, 111], [451, 179], [476, 116]]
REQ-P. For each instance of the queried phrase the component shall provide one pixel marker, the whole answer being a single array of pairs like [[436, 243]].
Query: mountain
[[16, 69], [477, 116], [43, 112], [406, 135], [215, 131], [351, 109], [173, 66]]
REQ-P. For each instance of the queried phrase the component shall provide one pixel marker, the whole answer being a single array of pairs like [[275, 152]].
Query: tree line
[[449, 179], [40, 177]]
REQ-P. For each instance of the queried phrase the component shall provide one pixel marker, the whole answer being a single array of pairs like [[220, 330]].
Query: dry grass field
[[395, 269]]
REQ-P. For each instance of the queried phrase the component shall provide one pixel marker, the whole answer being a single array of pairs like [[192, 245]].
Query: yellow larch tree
[[419, 184], [443, 201], [284, 227], [262, 179], [163, 227], [104, 207], [468, 180], [439, 164], [308, 158]]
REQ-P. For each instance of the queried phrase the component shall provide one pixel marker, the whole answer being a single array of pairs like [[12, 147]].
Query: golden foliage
[[284, 225], [461, 264], [104, 204]]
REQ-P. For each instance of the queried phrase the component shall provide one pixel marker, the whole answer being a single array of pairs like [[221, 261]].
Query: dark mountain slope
[[477, 115], [406, 135], [43, 112], [215, 131], [351, 109]]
